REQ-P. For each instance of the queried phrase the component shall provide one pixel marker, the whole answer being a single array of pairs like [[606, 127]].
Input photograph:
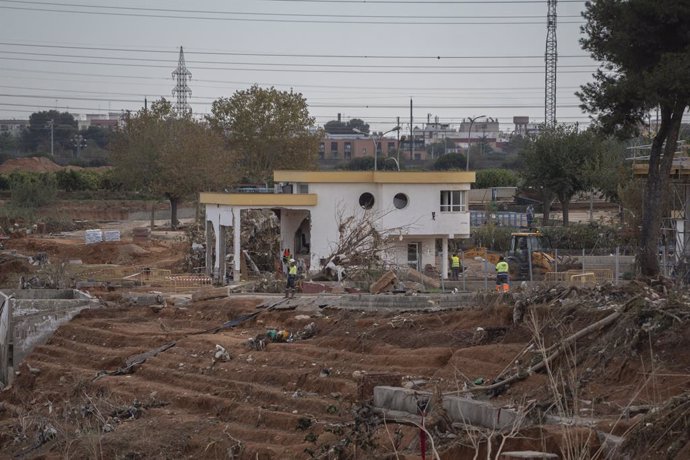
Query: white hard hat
[[292, 260]]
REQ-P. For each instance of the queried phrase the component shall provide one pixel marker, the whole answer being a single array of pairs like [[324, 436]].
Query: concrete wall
[[37, 313], [459, 409], [6, 368]]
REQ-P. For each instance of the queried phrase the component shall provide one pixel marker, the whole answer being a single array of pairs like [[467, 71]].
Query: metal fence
[[501, 218]]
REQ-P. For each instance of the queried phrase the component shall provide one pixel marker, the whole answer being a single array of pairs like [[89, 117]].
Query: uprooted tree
[[644, 46], [360, 241], [176, 157]]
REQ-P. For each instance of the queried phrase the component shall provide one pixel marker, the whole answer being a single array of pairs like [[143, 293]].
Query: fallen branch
[[134, 361], [555, 351]]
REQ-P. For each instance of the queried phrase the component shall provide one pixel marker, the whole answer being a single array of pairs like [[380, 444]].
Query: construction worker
[[291, 279], [502, 275], [455, 266]]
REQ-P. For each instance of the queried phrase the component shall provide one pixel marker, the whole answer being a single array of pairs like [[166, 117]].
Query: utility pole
[[51, 125], [411, 134], [397, 138], [79, 143], [181, 91], [550, 60]]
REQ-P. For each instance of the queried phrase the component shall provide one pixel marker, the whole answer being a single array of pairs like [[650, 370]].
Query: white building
[[411, 210]]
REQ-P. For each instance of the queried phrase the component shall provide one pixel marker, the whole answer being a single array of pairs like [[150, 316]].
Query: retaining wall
[[35, 315]]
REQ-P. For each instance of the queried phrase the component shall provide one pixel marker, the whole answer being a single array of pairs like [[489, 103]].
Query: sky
[[361, 59]]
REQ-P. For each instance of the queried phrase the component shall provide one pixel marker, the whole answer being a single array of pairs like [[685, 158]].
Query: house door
[[413, 255]]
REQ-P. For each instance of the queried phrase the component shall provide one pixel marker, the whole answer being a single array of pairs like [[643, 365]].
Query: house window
[[303, 188], [453, 201], [334, 149], [348, 150], [366, 200], [400, 201], [322, 151], [390, 147]]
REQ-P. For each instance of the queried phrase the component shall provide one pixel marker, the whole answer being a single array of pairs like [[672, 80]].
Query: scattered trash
[[325, 372], [221, 355]]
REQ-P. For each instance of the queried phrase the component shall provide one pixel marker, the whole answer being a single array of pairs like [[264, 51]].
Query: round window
[[366, 200], [400, 200]]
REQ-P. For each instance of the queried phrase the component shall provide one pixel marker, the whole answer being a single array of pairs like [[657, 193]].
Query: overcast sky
[[363, 59]]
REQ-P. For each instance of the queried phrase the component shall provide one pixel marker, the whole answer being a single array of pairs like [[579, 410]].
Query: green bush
[[71, 180], [450, 161], [492, 237], [584, 236], [30, 190]]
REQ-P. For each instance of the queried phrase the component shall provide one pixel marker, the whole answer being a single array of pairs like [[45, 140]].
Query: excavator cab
[[524, 244]]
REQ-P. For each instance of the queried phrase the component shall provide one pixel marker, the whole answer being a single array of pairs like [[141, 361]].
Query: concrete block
[[401, 399], [479, 413], [369, 381], [462, 410]]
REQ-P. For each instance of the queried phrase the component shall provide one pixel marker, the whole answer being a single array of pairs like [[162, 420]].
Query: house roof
[[376, 177], [259, 199]]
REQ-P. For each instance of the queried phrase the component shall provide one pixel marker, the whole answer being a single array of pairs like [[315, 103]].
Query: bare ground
[[302, 400]]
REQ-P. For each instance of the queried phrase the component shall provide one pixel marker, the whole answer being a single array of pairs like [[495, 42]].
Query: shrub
[[31, 190]]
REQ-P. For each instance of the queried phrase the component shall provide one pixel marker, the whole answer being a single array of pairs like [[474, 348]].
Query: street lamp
[[469, 141], [376, 143]]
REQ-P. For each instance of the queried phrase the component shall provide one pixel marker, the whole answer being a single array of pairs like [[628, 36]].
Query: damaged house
[[399, 218]]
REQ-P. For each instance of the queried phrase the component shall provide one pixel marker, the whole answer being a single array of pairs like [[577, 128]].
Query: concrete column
[[685, 237], [209, 248], [444, 258], [222, 235], [219, 250], [237, 249]]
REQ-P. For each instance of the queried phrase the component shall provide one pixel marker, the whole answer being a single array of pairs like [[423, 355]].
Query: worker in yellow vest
[[291, 279], [502, 269], [455, 267]]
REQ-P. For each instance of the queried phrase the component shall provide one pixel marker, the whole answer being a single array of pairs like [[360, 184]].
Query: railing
[[154, 277], [580, 277]]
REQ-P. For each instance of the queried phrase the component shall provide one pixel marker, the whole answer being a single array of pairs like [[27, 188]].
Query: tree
[[340, 127], [8, 142], [450, 161], [98, 134], [644, 46], [558, 163], [268, 129], [359, 164], [440, 148], [160, 153], [495, 177], [38, 135]]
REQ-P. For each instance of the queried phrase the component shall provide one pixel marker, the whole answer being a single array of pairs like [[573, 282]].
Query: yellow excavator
[[521, 245], [542, 260]]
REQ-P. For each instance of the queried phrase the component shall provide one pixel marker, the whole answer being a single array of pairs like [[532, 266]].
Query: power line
[[425, 2], [249, 83], [283, 69], [283, 21], [335, 105], [245, 13], [382, 66], [319, 56]]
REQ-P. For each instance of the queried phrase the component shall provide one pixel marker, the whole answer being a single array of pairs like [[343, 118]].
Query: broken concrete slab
[[419, 277], [531, 454], [143, 299], [463, 410], [210, 293], [384, 283]]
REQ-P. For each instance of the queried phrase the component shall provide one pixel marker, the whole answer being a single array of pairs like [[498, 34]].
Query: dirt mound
[[30, 164], [11, 268]]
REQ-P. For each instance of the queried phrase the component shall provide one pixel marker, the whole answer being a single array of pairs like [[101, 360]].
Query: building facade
[[411, 211]]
